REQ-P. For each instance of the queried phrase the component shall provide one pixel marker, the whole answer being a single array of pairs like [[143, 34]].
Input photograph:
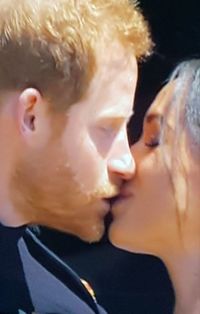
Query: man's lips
[[124, 194], [104, 207], [112, 201]]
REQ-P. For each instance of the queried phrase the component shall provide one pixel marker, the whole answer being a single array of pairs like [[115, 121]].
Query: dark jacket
[[34, 279]]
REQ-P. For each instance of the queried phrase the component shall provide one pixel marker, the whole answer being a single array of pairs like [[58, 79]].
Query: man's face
[[64, 182]]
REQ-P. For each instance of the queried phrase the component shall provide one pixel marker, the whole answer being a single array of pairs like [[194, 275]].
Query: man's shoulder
[[60, 288]]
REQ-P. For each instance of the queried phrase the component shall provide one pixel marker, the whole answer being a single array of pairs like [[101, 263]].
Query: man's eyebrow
[[118, 116]]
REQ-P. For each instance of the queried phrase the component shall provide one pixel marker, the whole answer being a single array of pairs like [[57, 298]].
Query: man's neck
[[9, 215], [184, 270]]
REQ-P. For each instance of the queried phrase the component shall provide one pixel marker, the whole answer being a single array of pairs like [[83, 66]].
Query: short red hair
[[50, 45]]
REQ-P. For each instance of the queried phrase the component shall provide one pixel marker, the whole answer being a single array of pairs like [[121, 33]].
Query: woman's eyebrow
[[153, 117]]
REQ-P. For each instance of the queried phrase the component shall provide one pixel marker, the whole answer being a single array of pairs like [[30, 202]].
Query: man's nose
[[122, 166]]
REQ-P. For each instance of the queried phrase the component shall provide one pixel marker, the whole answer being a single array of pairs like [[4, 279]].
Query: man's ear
[[29, 106]]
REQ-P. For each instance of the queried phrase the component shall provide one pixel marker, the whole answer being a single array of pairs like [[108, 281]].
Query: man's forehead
[[119, 111], [114, 55]]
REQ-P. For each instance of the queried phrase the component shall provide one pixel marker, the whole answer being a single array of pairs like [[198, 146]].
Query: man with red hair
[[68, 72]]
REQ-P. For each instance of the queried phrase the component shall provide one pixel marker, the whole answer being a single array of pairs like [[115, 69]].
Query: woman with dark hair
[[159, 210]]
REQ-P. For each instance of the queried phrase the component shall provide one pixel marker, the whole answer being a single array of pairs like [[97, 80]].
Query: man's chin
[[92, 234], [88, 232]]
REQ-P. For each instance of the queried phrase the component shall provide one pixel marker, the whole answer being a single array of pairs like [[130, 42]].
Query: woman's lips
[[125, 193], [119, 203]]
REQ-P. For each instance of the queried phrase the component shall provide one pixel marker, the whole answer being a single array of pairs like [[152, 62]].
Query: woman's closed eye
[[152, 130], [152, 142]]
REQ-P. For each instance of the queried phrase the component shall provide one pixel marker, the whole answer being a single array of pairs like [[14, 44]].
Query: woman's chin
[[115, 234], [131, 243], [118, 238]]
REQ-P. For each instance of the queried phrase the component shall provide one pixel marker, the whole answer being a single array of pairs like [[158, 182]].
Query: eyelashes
[[152, 143], [152, 140], [152, 130]]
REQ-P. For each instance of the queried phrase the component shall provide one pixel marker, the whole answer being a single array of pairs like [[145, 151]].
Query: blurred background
[[129, 283]]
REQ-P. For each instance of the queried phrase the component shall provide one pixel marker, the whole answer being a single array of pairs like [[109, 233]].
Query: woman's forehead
[[162, 99]]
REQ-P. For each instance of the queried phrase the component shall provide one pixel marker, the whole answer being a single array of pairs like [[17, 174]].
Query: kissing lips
[[118, 204]]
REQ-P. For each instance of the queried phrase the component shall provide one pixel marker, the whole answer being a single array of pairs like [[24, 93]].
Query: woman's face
[[148, 217]]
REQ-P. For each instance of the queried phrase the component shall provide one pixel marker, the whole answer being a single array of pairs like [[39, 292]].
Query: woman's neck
[[184, 270]]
